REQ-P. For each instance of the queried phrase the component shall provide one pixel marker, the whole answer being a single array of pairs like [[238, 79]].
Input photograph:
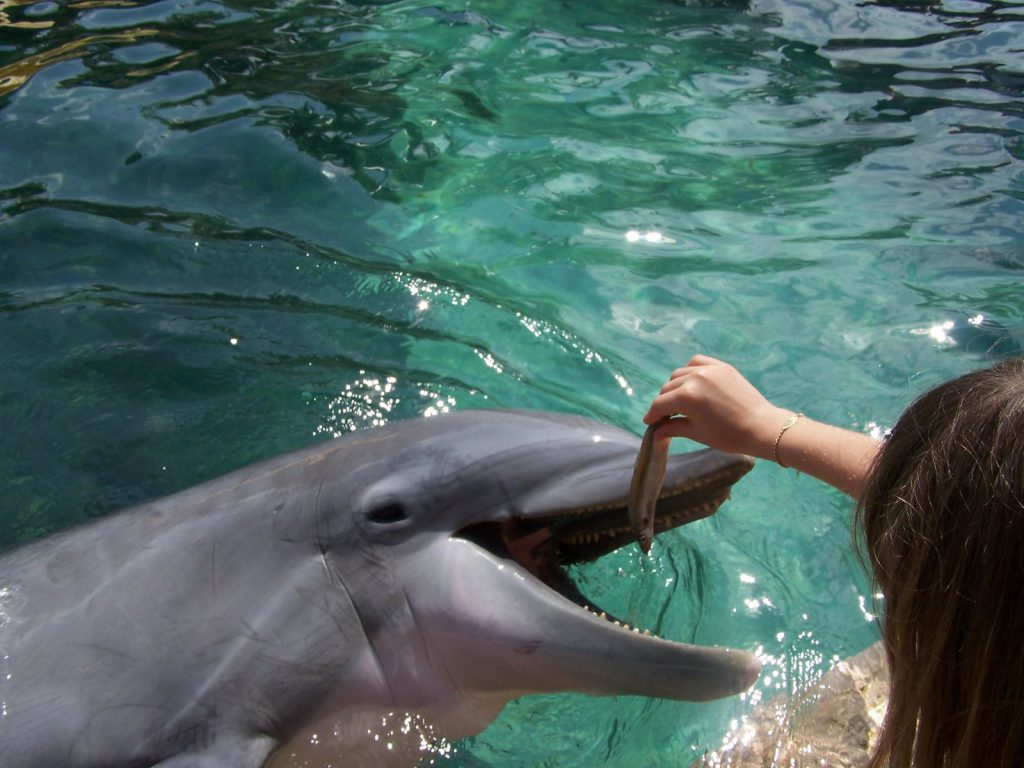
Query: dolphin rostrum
[[416, 567]]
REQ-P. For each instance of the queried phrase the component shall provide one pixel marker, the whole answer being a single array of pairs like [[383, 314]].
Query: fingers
[[719, 407], [668, 403], [699, 365], [681, 392], [696, 362], [678, 378], [686, 386], [672, 384], [705, 360], [677, 427]]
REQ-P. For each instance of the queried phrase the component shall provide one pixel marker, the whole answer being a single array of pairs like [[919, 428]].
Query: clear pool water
[[230, 228]]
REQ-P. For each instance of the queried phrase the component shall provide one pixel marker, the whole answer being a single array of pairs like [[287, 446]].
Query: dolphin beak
[[591, 650]]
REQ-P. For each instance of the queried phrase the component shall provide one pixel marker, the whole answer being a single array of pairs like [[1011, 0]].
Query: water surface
[[228, 229]]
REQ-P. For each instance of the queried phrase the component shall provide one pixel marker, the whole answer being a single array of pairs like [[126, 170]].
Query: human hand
[[719, 408]]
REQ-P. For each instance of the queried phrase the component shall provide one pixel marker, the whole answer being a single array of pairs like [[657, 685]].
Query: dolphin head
[[467, 523]]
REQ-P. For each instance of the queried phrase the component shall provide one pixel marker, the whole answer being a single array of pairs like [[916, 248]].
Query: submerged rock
[[833, 723]]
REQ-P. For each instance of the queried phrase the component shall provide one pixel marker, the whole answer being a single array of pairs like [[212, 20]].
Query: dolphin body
[[413, 566]]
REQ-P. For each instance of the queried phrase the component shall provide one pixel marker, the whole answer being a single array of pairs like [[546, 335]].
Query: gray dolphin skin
[[412, 567]]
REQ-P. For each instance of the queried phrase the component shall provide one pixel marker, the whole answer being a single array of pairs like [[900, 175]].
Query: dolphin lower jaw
[[511, 632]]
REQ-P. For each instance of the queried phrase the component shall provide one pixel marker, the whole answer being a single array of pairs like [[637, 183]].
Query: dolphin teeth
[[623, 625]]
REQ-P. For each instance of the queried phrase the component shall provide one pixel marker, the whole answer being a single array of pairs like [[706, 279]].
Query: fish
[[645, 486]]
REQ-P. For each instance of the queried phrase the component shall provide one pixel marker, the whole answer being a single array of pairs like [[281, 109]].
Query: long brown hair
[[942, 516]]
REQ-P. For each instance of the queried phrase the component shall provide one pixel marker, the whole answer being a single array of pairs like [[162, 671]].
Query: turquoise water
[[228, 229]]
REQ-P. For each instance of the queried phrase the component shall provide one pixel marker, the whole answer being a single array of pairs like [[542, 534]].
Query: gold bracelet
[[789, 423]]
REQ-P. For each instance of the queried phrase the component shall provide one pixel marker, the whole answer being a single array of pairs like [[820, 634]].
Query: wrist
[[788, 424], [772, 425]]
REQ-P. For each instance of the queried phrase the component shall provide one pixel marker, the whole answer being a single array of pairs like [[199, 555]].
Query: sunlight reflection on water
[[226, 228]]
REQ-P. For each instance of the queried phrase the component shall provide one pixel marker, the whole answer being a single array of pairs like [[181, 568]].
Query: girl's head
[[942, 516]]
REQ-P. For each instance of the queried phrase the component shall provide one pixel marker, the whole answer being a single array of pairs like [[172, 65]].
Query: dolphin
[[419, 565]]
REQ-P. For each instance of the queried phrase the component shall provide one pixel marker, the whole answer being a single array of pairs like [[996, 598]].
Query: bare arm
[[725, 411]]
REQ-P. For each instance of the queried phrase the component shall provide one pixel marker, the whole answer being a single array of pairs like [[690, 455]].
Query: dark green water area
[[231, 228]]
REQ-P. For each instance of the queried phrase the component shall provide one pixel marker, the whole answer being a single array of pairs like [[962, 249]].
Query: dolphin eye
[[391, 512]]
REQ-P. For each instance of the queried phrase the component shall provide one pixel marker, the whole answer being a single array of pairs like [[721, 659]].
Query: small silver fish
[[645, 487]]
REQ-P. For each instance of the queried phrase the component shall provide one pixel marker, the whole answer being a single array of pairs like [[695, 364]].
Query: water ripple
[[227, 229]]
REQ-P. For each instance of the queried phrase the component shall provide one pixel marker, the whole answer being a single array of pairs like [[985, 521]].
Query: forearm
[[839, 457], [715, 405]]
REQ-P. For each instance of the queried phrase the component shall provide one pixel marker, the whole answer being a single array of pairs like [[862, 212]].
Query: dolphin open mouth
[[546, 543]]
